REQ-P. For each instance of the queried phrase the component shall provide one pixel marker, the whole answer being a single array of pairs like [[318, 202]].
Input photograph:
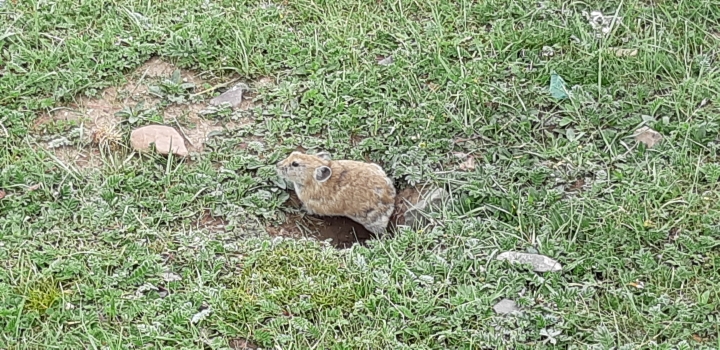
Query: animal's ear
[[322, 173], [324, 155]]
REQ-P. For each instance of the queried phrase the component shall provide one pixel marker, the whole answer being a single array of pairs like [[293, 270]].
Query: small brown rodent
[[357, 190]]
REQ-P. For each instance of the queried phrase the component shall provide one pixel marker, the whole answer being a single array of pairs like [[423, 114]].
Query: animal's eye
[[294, 164]]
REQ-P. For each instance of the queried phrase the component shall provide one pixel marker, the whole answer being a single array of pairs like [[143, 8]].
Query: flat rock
[[386, 61], [233, 96], [540, 263], [164, 137], [648, 136], [506, 306]]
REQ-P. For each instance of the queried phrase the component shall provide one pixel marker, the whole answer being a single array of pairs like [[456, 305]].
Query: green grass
[[83, 255]]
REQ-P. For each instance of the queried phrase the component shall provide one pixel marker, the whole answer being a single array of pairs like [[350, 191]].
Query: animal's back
[[362, 191]]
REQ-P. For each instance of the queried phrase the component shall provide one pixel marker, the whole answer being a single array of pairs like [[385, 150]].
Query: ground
[[525, 112]]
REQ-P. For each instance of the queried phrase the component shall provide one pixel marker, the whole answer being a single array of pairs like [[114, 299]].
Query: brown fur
[[358, 190]]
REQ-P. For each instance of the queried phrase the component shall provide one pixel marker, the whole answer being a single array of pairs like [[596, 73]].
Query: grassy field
[[124, 252]]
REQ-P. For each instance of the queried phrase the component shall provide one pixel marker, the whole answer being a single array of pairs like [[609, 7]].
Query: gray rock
[[506, 306], [166, 139], [647, 136], [540, 263], [386, 61], [234, 96]]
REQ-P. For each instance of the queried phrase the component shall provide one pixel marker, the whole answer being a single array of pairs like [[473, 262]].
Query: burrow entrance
[[341, 231]]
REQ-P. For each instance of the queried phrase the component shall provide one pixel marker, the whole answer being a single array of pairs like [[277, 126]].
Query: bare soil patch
[[97, 115], [341, 231], [211, 223]]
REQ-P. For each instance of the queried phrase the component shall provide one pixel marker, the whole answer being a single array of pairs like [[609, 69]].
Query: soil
[[209, 222], [97, 114], [342, 232]]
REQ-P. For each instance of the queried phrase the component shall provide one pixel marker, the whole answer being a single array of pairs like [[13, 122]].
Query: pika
[[357, 190]]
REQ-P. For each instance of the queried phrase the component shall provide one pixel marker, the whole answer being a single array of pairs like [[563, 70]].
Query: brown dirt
[[576, 185], [186, 117], [97, 114], [99, 111], [207, 221], [342, 231]]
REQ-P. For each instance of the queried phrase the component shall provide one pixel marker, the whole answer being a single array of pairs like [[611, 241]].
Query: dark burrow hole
[[342, 231]]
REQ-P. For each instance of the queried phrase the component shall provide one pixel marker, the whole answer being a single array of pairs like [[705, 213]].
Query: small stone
[[201, 315], [164, 137], [548, 51], [648, 136], [506, 306], [234, 96], [620, 52], [386, 61], [540, 263]]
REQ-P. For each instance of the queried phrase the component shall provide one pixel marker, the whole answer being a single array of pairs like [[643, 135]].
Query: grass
[[86, 252]]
